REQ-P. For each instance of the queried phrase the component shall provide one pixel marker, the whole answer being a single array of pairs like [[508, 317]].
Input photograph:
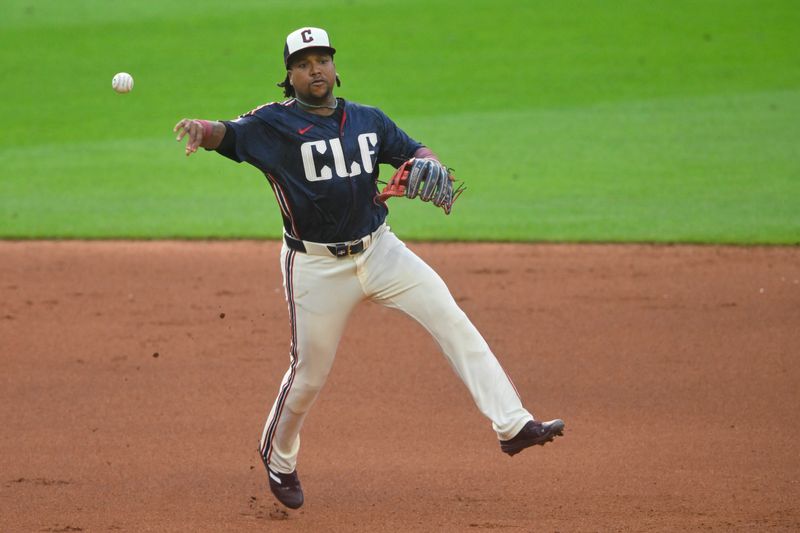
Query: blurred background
[[579, 120]]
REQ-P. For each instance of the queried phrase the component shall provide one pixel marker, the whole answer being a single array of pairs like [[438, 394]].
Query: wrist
[[425, 153], [208, 128]]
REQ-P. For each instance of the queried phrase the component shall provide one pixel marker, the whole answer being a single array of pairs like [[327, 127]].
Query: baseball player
[[320, 154]]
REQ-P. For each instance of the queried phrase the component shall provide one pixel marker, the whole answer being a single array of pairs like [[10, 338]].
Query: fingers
[[182, 127], [195, 136], [189, 127]]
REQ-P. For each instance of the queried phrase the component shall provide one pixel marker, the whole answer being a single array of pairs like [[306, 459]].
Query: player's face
[[312, 75]]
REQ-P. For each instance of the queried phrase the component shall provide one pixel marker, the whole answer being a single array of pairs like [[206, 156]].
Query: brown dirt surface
[[136, 378]]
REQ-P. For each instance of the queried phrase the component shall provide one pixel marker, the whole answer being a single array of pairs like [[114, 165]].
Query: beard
[[316, 94]]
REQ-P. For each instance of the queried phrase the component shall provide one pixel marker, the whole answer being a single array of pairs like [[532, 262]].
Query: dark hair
[[288, 90]]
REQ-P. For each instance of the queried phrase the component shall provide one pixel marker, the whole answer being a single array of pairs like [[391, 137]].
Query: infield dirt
[[136, 377]]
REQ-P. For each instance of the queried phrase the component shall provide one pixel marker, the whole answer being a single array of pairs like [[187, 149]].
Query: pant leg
[[396, 277], [320, 293]]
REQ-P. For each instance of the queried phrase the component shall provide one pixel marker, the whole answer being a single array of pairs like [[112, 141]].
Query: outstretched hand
[[195, 131]]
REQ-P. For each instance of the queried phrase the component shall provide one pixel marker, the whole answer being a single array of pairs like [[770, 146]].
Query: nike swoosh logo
[[304, 130]]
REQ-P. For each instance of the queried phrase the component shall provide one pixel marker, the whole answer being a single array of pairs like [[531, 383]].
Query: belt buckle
[[342, 249], [349, 248], [354, 248]]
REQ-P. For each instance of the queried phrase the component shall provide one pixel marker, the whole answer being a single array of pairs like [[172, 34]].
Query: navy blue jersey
[[323, 170]]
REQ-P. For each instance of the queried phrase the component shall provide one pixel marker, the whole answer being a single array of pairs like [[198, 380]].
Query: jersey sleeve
[[397, 146], [250, 139], [227, 146]]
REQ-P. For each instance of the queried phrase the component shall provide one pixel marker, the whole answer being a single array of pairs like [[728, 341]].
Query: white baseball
[[122, 82]]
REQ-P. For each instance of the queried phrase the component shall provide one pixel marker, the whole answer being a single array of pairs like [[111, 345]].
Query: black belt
[[340, 249]]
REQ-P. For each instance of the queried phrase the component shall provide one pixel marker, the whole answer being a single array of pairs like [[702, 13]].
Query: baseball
[[122, 82]]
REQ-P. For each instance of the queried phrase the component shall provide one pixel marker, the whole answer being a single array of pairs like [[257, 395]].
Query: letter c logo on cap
[[306, 35]]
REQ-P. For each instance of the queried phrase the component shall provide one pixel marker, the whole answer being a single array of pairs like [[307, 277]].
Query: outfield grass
[[634, 120]]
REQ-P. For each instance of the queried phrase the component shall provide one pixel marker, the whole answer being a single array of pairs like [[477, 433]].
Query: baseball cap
[[306, 38]]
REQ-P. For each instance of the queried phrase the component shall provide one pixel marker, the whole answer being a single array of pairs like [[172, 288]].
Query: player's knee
[[304, 392], [311, 379], [302, 400]]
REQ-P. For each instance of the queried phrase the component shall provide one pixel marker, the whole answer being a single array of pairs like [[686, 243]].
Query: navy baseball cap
[[306, 38]]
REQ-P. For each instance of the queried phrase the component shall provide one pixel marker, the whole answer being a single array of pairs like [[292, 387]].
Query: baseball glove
[[425, 178]]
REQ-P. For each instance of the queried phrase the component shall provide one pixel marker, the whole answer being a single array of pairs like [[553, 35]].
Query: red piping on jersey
[[341, 125], [253, 111], [283, 204]]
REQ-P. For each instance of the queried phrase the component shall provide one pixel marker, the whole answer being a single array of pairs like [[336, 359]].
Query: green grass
[[632, 120]]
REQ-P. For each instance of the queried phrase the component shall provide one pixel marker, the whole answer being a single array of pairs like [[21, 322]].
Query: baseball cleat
[[532, 434], [285, 487]]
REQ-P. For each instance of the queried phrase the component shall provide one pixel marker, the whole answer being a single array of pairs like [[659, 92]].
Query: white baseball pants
[[321, 292]]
